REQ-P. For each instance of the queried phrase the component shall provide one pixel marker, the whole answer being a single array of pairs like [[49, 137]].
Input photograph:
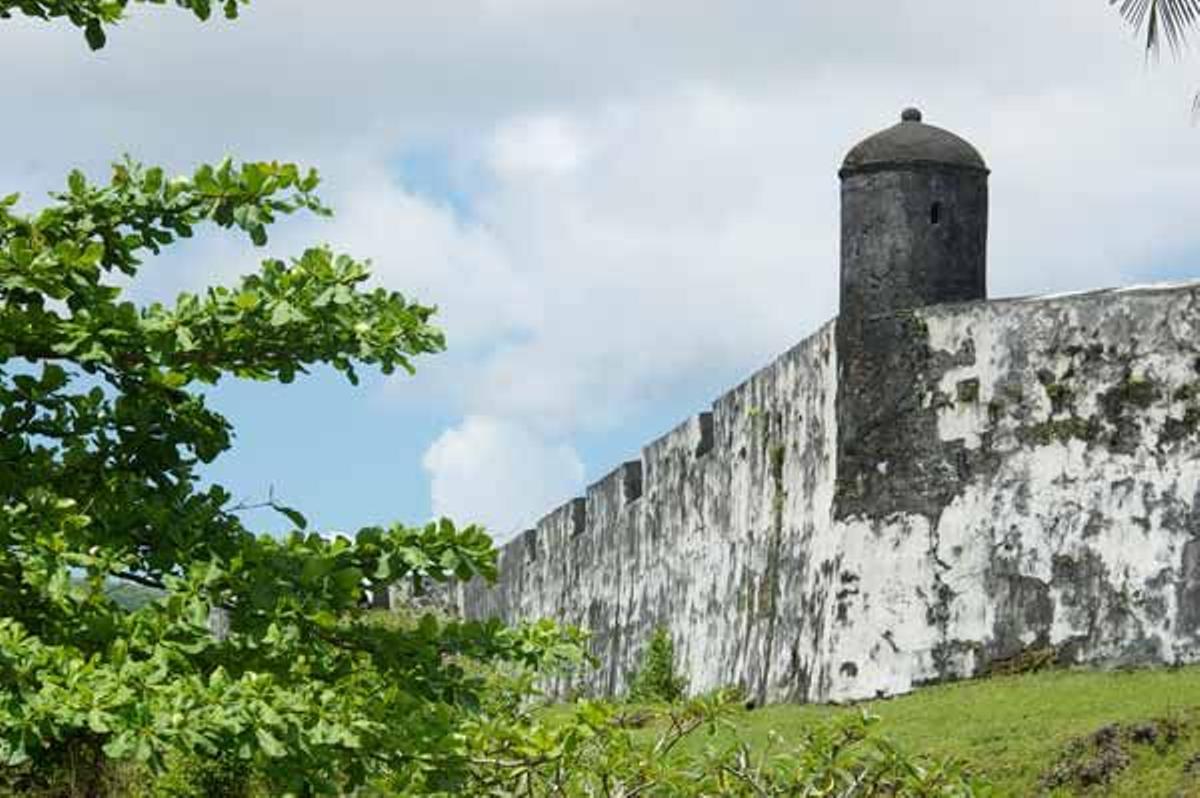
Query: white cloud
[[536, 145], [420, 247], [498, 472]]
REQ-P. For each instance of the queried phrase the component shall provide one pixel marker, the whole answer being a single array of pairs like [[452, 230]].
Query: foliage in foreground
[[595, 752], [102, 430]]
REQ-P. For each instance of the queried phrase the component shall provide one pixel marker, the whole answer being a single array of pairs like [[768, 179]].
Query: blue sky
[[622, 208]]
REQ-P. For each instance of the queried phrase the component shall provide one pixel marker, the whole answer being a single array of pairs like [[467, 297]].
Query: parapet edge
[[624, 483], [1091, 294]]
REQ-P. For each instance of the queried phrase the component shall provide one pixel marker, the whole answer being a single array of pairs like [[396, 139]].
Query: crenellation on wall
[[704, 424], [631, 481], [529, 540]]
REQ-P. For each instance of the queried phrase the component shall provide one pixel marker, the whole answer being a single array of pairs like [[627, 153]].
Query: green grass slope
[[1056, 733]]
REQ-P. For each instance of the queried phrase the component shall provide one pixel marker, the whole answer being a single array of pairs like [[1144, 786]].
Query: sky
[[621, 208]]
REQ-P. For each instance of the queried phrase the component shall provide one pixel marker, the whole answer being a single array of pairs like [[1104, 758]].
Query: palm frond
[[1169, 21]]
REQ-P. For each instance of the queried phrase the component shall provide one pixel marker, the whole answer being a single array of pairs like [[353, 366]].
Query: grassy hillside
[[1124, 733]]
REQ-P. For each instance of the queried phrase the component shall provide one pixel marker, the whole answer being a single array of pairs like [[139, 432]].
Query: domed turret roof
[[912, 142]]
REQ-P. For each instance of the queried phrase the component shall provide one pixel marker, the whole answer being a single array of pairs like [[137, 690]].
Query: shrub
[[656, 679], [593, 753]]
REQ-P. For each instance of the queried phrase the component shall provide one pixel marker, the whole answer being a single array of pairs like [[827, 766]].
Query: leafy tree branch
[[95, 16]]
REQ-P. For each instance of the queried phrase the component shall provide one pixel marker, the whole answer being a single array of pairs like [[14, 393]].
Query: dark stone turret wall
[[912, 236]]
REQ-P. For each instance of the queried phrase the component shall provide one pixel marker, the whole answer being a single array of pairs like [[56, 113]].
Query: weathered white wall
[[1073, 519]]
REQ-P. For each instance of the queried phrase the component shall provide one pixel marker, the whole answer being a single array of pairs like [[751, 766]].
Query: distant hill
[[131, 596]]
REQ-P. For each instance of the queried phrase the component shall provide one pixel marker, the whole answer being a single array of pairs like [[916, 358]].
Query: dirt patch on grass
[[1189, 784], [1095, 760], [1030, 660]]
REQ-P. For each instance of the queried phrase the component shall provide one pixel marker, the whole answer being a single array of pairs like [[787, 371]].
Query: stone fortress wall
[[926, 493]]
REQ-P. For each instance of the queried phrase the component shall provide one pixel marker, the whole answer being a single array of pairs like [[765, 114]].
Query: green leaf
[[246, 300], [76, 182], [97, 722], [384, 571], [154, 180], [285, 313], [94, 35], [183, 337], [54, 377], [315, 568], [174, 379], [121, 745], [269, 743], [348, 579], [292, 515]]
